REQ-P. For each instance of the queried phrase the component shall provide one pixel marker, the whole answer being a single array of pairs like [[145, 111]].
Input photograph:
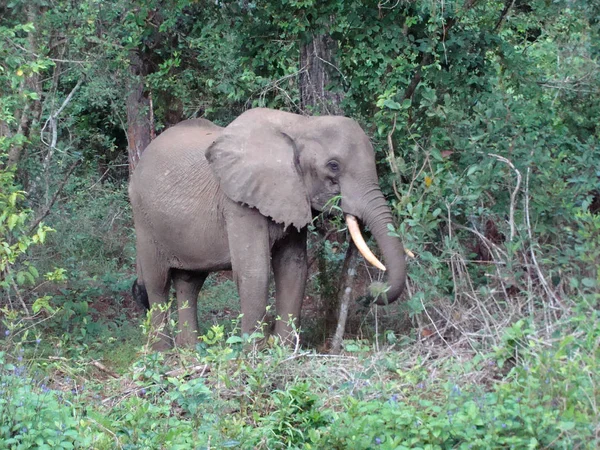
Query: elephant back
[[173, 168]]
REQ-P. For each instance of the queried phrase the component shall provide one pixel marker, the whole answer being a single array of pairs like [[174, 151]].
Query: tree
[[318, 73]]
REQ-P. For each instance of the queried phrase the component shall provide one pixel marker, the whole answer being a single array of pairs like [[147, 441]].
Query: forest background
[[484, 115]]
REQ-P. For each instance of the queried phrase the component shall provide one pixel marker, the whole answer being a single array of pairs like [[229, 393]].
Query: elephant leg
[[187, 287], [248, 235], [290, 270], [157, 282]]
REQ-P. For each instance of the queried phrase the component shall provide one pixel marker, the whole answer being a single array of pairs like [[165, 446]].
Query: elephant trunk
[[377, 216]]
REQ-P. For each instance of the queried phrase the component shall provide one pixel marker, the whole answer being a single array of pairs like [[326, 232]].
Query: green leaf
[[350, 347], [566, 426], [234, 340], [42, 302], [12, 199], [12, 221], [20, 277], [34, 272], [588, 282], [391, 104]]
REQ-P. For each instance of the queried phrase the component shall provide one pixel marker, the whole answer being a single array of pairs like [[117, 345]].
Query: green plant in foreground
[[296, 415], [34, 416], [274, 399]]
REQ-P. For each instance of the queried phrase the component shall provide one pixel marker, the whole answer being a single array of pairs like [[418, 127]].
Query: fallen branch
[[103, 368], [187, 371]]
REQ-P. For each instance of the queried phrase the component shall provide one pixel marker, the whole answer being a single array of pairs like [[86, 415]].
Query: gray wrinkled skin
[[207, 198]]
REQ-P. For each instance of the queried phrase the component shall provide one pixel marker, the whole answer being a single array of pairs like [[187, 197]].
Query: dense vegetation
[[484, 115]]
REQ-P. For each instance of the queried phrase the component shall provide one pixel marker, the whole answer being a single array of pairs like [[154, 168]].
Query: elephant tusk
[[360, 243]]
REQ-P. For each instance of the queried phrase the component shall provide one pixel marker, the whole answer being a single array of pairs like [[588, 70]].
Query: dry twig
[[103, 368], [513, 195]]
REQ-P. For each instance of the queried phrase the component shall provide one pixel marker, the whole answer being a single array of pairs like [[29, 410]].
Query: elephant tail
[[140, 294], [138, 290]]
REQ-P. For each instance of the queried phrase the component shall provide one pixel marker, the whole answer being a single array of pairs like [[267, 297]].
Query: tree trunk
[[31, 111], [317, 75], [15, 152], [139, 112], [317, 71]]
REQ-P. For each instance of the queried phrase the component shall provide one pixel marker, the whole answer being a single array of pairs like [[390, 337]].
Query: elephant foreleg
[[248, 236], [187, 286], [290, 270]]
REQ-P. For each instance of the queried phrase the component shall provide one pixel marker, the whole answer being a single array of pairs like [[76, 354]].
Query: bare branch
[[103, 368], [348, 276], [52, 119], [513, 195], [530, 234]]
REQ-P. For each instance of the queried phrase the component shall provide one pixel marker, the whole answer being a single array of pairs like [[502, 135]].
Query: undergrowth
[[524, 393]]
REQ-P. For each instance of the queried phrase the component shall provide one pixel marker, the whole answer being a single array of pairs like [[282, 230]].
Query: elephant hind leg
[[187, 287], [156, 283]]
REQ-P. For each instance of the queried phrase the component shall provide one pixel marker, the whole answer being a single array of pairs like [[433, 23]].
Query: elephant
[[207, 198]]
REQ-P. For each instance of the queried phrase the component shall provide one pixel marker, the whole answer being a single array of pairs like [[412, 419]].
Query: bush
[[32, 415]]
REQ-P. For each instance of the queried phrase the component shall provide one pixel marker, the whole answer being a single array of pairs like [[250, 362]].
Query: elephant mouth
[[360, 243]]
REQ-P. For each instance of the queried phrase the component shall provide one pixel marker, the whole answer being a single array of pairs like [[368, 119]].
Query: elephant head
[[286, 165]]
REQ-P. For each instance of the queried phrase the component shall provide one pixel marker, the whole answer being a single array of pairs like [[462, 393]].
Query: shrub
[[32, 415]]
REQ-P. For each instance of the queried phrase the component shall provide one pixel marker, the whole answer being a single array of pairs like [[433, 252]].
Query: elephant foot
[[186, 340], [162, 343]]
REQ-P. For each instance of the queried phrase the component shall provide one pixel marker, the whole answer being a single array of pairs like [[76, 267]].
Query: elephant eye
[[334, 166]]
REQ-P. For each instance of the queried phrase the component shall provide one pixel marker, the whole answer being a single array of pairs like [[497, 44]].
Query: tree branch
[[513, 195], [61, 186], [504, 14], [427, 58], [52, 119], [346, 284]]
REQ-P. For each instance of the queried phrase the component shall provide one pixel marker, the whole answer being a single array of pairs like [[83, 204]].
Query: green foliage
[[219, 301], [234, 398], [95, 238], [16, 239], [32, 415], [294, 421], [485, 125], [503, 418], [139, 424], [17, 234], [15, 67]]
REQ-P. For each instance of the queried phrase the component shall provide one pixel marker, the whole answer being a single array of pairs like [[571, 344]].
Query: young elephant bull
[[207, 198]]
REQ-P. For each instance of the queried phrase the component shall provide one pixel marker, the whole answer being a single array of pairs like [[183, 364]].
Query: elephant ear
[[258, 166]]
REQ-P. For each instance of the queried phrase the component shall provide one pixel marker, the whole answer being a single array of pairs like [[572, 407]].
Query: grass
[[225, 395], [218, 302]]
